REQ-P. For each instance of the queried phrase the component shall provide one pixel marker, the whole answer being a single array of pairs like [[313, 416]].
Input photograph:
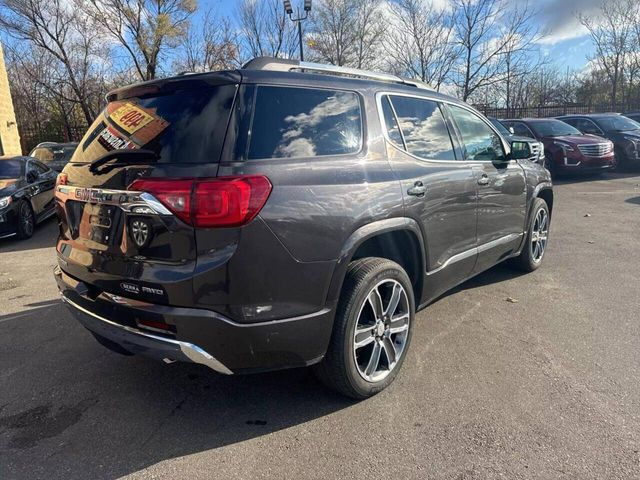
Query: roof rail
[[288, 65]]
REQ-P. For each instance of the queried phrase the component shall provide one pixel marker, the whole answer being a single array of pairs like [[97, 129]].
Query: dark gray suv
[[286, 215]]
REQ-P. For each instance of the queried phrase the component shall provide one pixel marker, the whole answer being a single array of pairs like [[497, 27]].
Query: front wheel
[[26, 220], [537, 237], [372, 329]]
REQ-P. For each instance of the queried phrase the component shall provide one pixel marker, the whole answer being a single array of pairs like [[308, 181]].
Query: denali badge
[[129, 287], [140, 232]]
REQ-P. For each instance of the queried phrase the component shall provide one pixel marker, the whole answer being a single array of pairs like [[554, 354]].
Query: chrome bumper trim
[[191, 351]]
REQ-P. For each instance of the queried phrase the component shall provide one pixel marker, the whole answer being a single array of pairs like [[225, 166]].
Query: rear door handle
[[483, 180], [418, 189]]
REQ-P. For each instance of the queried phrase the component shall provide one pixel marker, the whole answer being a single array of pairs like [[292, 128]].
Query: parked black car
[[269, 217], [622, 131], [54, 155], [537, 148], [26, 195], [635, 116]]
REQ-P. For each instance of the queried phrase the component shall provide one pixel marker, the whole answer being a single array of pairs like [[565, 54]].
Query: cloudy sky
[[566, 42]]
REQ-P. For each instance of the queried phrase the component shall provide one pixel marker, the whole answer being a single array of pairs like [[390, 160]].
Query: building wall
[[9, 135]]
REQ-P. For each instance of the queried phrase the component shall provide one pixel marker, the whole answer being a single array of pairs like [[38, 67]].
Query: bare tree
[[144, 28], [266, 30], [486, 30], [611, 32], [212, 47], [58, 28], [420, 41], [348, 33]]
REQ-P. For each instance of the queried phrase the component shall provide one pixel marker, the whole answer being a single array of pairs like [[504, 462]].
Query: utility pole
[[298, 19]]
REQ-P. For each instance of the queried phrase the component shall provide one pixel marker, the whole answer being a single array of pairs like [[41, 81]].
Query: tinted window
[[390, 123], [184, 126], [617, 123], [553, 128], [53, 154], [423, 127], [304, 122], [500, 127], [38, 167], [479, 140], [582, 124], [10, 168], [522, 130], [43, 154]]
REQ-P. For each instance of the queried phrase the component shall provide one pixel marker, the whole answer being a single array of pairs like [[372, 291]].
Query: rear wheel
[[26, 220], [537, 237], [372, 329]]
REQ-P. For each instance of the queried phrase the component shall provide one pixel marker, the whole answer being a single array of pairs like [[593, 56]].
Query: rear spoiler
[[171, 84]]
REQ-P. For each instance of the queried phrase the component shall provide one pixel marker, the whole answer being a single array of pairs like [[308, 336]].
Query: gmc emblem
[[91, 195]]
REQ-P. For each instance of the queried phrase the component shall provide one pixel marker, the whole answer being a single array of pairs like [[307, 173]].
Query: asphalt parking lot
[[509, 376]]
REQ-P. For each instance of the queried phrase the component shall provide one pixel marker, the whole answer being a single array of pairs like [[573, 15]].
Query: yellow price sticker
[[130, 118]]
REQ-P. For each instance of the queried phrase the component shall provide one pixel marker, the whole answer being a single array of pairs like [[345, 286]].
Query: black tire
[[550, 164], [527, 261], [26, 220], [339, 369], [621, 163]]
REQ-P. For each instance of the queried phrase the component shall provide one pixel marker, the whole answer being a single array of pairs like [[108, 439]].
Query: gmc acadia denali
[[287, 214]]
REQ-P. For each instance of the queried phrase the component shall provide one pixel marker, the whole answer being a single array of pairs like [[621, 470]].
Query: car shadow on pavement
[[582, 178], [44, 236], [500, 273], [71, 409], [634, 200]]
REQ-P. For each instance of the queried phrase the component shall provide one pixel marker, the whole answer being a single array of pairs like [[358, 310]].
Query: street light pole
[[299, 19]]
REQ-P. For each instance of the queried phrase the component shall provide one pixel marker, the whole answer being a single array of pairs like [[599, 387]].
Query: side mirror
[[513, 132], [520, 150]]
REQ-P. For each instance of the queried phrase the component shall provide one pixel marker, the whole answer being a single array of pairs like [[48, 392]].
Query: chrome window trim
[[476, 250], [434, 98]]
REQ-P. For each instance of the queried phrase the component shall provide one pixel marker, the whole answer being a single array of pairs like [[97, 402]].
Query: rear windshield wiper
[[129, 153]]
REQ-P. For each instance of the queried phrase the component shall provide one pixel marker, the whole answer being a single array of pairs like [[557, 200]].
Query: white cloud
[[559, 18]]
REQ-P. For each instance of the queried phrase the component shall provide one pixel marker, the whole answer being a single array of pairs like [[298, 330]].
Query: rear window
[[53, 154], [302, 122], [183, 126], [10, 168]]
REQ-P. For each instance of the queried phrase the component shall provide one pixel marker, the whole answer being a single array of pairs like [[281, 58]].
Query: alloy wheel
[[26, 218], [382, 330], [539, 235]]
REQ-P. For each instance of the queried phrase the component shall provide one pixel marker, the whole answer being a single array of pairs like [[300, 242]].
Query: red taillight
[[61, 179], [229, 201], [174, 194], [206, 203]]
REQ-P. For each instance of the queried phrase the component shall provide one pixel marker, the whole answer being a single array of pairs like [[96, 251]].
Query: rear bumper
[[142, 343], [201, 336]]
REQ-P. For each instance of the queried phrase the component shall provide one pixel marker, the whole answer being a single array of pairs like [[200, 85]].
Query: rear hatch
[[115, 236]]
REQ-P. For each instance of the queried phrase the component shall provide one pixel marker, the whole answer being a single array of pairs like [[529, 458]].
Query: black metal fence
[[543, 111], [30, 136]]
